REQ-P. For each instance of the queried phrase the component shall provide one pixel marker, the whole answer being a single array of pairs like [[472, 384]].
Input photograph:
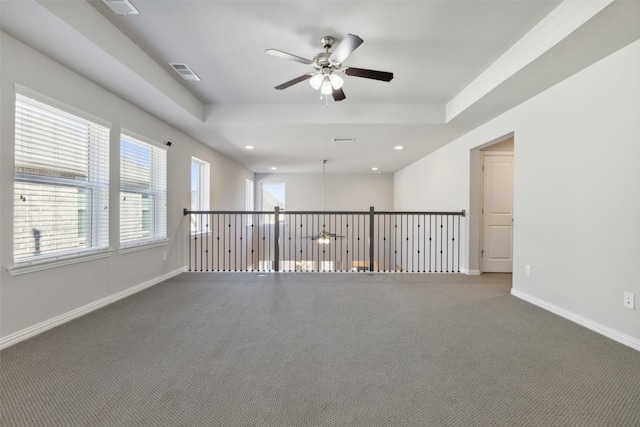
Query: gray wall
[[576, 193], [32, 299], [347, 192]]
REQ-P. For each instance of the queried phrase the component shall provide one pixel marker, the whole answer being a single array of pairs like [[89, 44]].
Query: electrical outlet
[[629, 300], [164, 256], [527, 270]]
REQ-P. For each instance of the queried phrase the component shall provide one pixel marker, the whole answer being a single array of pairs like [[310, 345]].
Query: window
[[272, 196], [249, 200], [61, 183], [143, 192], [199, 192]]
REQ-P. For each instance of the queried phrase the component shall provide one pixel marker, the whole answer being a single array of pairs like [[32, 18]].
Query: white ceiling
[[455, 64]]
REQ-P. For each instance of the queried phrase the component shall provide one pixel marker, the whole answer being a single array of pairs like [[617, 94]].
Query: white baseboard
[[615, 335], [38, 328]]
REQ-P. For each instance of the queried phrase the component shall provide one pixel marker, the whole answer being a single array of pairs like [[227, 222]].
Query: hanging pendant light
[[323, 239]]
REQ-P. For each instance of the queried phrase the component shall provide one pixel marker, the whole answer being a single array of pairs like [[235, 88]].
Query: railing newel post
[[276, 240], [371, 237]]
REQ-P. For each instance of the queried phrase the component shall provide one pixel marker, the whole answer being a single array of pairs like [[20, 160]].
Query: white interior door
[[497, 213]]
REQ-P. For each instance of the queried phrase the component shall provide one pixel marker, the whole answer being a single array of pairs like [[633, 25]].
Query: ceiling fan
[[324, 238], [328, 65]]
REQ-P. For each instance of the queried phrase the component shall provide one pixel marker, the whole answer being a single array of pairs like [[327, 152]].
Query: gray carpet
[[242, 349]]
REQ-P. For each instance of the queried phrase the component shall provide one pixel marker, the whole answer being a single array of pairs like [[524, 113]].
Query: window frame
[[203, 190], [249, 199], [33, 112], [157, 193]]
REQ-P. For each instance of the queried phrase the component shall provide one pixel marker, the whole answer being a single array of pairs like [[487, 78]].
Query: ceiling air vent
[[121, 7], [186, 72]]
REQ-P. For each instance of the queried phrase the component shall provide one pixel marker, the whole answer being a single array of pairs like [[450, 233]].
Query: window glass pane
[[135, 216], [49, 219], [195, 187], [249, 195], [51, 144], [135, 165], [249, 200], [272, 196]]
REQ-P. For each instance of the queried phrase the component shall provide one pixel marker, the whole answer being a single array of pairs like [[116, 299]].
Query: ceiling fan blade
[[285, 55], [294, 81], [338, 94], [369, 74], [346, 48]]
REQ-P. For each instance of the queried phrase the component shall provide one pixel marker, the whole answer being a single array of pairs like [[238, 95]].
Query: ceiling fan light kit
[[327, 66], [324, 239]]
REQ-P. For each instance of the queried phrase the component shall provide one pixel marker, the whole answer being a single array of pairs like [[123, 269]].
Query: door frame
[[474, 254]]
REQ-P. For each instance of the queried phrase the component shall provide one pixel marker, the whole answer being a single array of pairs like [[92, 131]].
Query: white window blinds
[[61, 184], [143, 192]]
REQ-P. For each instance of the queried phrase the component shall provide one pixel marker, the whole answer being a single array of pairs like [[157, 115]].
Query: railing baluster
[[430, 216], [423, 246], [254, 218], [458, 244], [447, 247], [378, 240], [229, 242], [413, 267], [206, 225], [358, 242], [401, 242], [189, 238], [200, 232]]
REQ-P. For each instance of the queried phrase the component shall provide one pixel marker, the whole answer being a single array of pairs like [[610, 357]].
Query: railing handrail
[[282, 211]]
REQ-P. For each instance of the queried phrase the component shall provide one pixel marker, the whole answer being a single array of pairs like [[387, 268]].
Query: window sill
[[142, 246], [39, 265]]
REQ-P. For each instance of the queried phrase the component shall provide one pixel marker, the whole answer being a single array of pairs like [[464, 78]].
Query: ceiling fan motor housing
[[322, 60], [327, 42]]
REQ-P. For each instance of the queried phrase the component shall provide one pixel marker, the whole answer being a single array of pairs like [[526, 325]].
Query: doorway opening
[[491, 206]]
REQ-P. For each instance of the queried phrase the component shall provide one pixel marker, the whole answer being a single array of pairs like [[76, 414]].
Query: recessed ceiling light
[[249, 147], [374, 168], [398, 147], [121, 7], [273, 168]]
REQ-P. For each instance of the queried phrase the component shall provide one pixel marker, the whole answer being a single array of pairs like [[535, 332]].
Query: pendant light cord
[[324, 176]]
